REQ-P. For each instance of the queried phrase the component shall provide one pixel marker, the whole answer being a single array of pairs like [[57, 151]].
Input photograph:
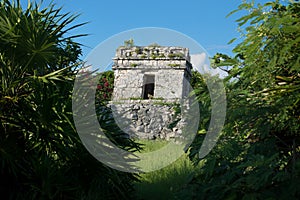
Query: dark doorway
[[148, 88]]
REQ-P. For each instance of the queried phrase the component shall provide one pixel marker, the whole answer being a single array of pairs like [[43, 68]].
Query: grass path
[[163, 183]]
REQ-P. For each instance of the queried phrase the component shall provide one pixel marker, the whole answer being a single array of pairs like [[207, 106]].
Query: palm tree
[[41, 156]]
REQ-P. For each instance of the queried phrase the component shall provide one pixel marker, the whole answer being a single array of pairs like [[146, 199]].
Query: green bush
[[41, 155], [257, 156]]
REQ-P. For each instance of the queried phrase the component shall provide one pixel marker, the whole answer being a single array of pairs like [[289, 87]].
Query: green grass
[[152, 145], [164, 183]]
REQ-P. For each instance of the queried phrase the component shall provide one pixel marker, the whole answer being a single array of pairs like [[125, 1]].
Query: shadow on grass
[[166, 182]]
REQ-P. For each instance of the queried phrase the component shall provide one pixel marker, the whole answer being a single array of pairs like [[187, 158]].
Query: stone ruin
[[150, 87]]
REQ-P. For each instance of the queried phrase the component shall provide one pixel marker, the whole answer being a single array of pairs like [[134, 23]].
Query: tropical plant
[[257, 156], [105, 86], [41, 155]]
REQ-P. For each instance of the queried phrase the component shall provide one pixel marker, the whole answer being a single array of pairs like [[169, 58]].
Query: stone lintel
[[134, 64]]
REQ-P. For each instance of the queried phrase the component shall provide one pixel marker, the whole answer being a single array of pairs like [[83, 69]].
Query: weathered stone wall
[[169, 84], [169, 65], [159, 116], [153, 52], [148, 119]]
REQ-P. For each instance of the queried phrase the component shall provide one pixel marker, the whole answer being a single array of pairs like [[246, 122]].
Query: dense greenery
[[105, 87], [41, 156], [257, 157]]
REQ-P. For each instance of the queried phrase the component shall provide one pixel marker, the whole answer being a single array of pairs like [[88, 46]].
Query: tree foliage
[[257, 156], [105, 86], [41, 155]]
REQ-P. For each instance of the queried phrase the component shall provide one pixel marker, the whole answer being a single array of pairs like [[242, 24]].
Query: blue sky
[[204, 21]]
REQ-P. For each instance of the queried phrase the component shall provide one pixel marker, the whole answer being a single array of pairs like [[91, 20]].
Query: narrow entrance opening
[[148, 87]]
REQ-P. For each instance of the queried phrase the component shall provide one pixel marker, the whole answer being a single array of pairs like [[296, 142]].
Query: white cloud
[[198, 60], [201, 63]]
